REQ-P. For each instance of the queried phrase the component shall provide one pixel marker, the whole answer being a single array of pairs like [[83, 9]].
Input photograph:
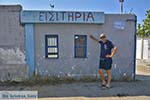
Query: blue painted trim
[[135, 48], [29, 32], [85, 46], [46, 54], [46, 45]]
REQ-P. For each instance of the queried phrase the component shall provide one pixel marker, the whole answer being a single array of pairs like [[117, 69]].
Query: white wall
[[146, 51], [67, 65]]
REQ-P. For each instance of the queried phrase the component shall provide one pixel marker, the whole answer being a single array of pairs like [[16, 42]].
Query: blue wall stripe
[[29, 32]]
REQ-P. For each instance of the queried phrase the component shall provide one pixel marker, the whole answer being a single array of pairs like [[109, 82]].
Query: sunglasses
[[102, 37]]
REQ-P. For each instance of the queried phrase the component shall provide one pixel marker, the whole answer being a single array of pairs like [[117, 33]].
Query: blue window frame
[[51, 46], [80, 46]]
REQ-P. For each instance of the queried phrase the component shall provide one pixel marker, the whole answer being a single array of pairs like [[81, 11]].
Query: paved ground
[[100, 98], [88, 90]]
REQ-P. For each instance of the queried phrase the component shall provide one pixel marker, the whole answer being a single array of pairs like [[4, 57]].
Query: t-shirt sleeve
[[100, 42], [111, 45]]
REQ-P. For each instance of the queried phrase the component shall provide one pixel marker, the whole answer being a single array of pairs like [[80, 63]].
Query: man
[[108, 50]]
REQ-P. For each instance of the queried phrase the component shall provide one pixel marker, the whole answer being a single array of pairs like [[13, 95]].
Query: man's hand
[[113, 53], [108, 56]]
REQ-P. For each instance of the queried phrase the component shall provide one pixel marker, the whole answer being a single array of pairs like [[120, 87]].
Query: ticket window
[[51, 46], [80, 46]]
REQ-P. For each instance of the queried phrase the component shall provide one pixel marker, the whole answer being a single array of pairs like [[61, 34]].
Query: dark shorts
[[105, 64]]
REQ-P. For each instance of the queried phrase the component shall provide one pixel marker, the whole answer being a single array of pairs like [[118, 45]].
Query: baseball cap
[[102, 35]]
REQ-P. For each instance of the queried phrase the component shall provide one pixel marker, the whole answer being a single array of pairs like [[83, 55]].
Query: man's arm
[[114, 51], [93, 38]]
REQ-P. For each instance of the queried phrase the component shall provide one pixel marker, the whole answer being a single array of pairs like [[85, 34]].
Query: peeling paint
[[12, 56], [10, 72]]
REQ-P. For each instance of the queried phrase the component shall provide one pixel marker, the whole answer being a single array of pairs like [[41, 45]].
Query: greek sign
[[62, 17]]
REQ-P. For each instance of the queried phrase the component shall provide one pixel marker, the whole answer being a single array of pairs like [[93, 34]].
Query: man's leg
[[109, 77], [101, 72]]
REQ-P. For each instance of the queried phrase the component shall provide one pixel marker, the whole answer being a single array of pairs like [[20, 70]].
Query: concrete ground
[[100, 98], [89, 91]]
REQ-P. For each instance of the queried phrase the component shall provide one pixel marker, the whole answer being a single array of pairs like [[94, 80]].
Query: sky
[[137, 7]]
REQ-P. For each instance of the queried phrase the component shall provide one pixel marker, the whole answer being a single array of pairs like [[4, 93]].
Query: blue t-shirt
[[106, 48]]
